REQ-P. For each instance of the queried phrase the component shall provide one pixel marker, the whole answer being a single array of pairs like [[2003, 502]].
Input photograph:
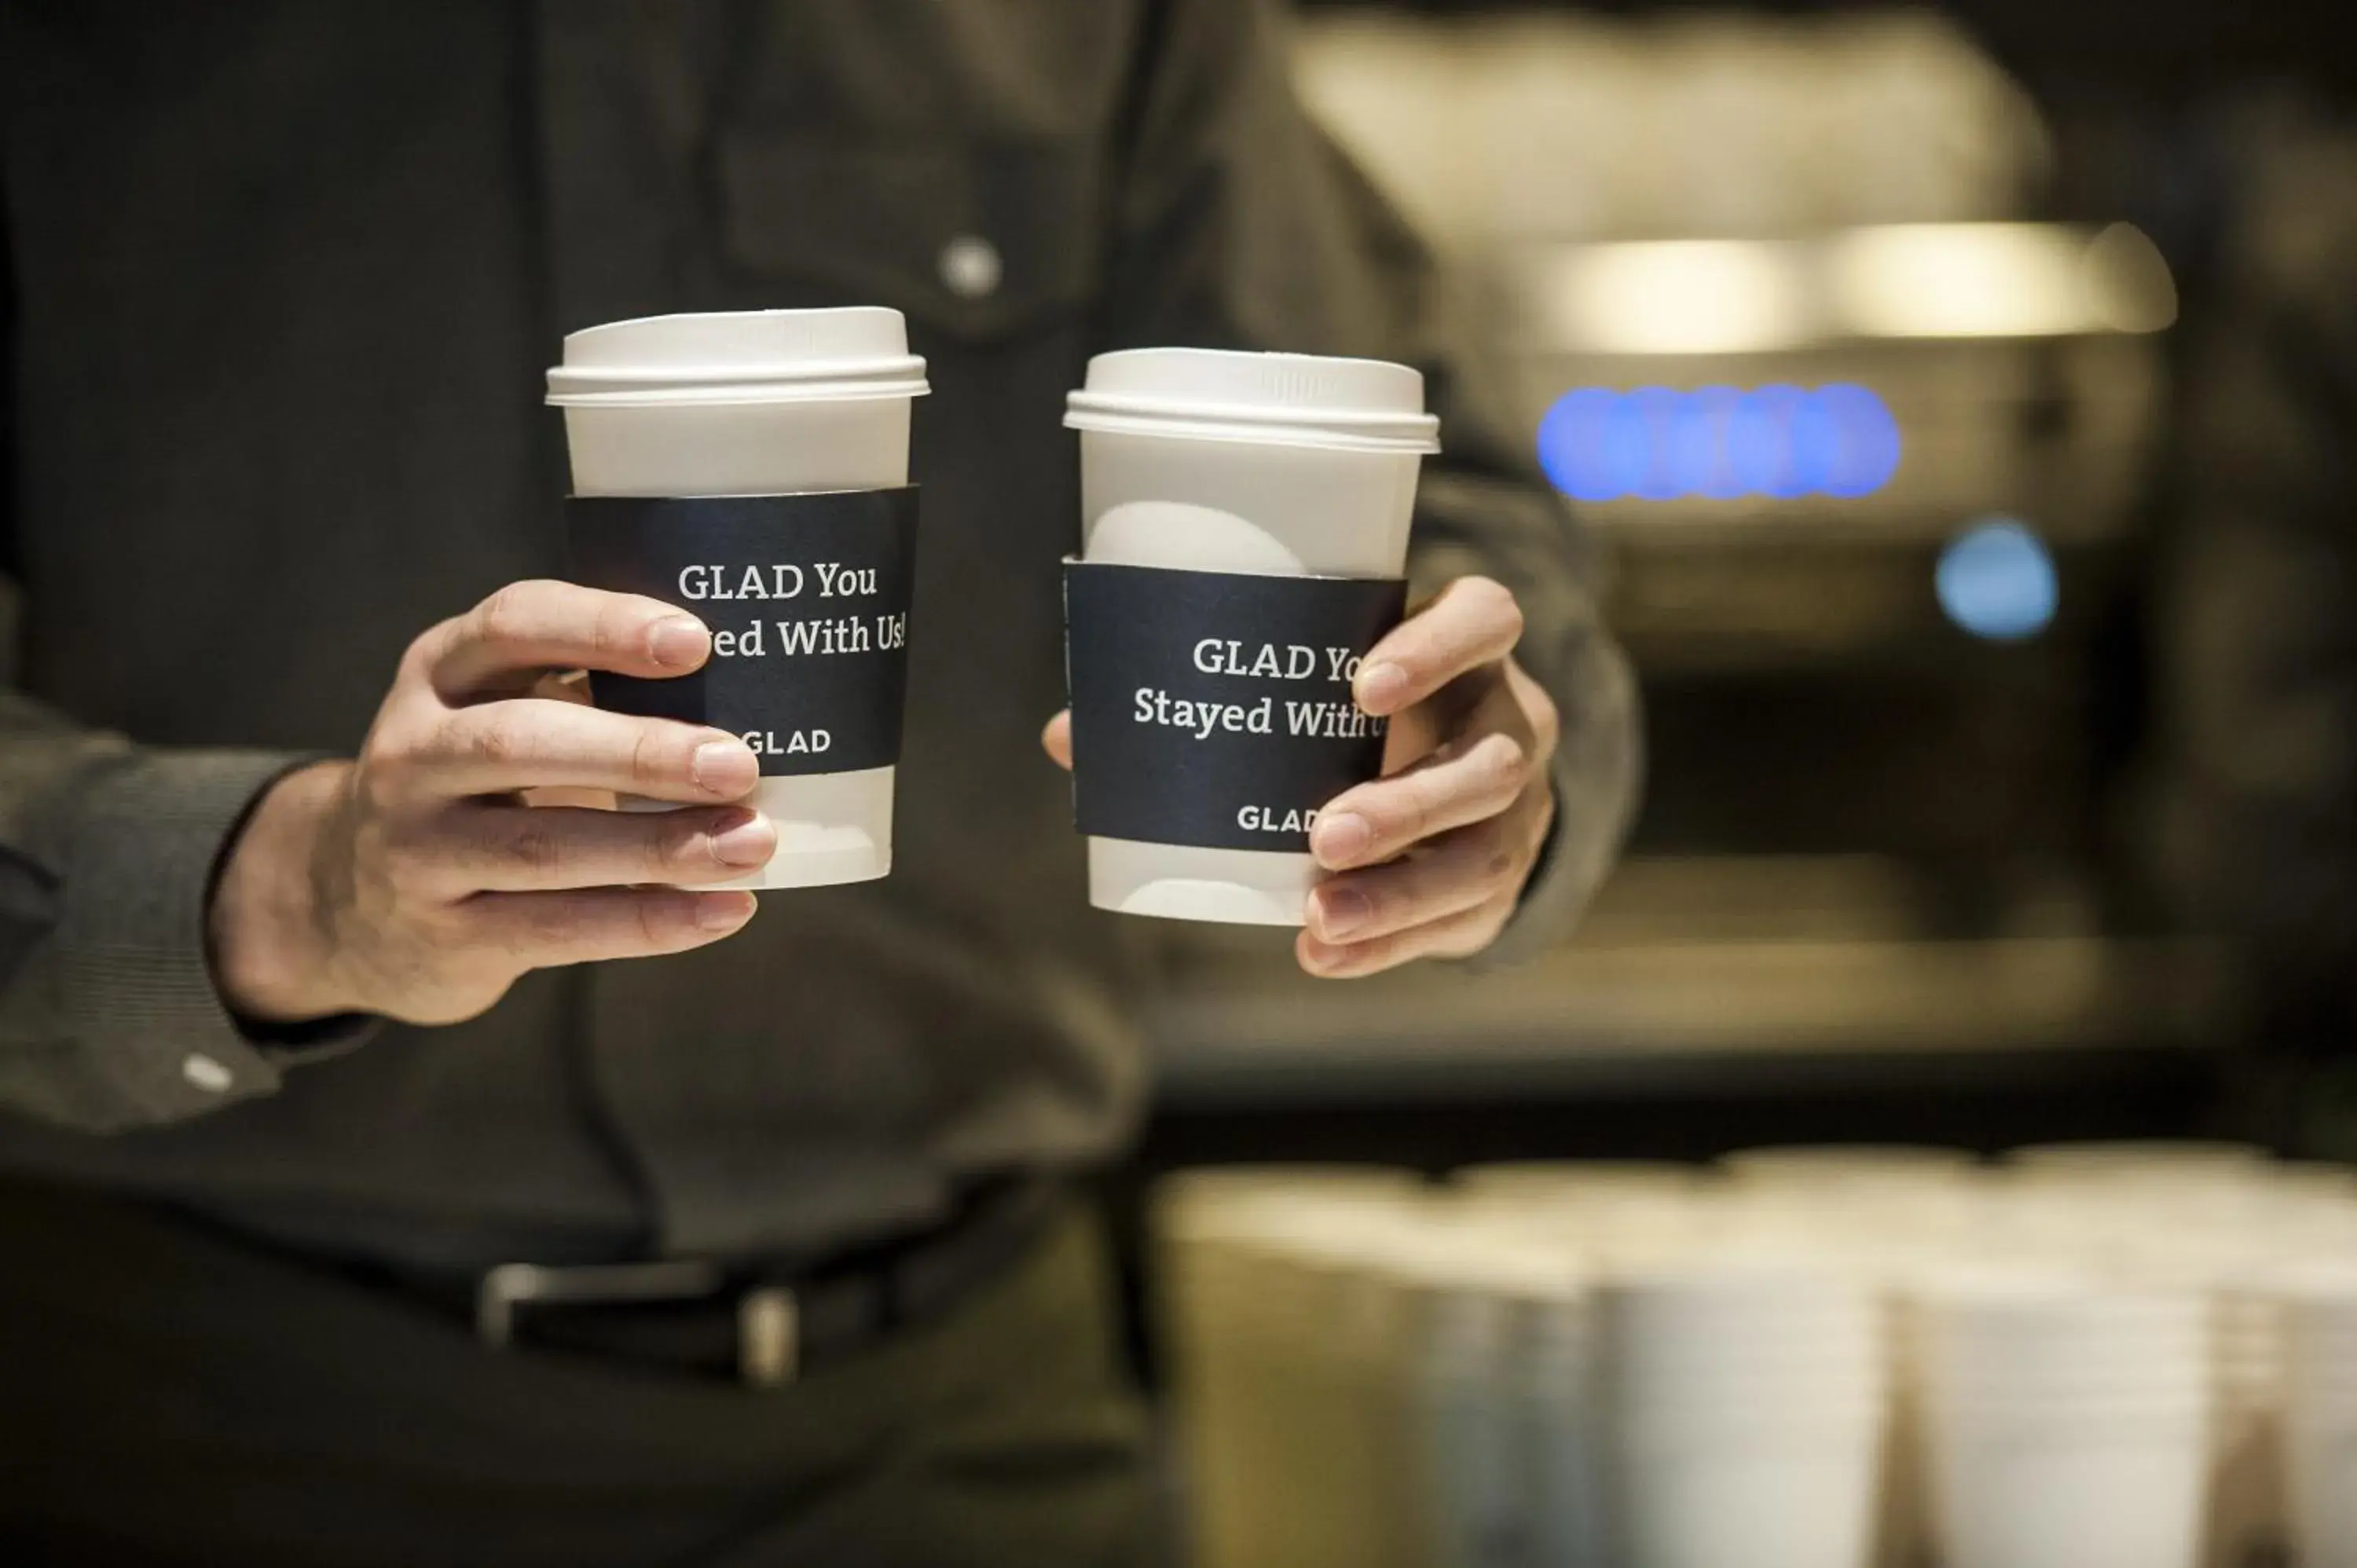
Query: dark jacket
[[285, 278]]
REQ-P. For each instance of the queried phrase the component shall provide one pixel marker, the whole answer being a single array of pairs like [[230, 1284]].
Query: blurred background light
[[1920, 283], [1720, 443], [2128, 281], [1682, 296], [1997, 580], [1996, 280]]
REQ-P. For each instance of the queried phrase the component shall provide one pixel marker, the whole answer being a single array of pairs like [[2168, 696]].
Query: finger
[[544, 930], [1475, 621], [1456, 935], [567, 686], [1057, 738], [1534, 705], [523, 744], [1456, 872], [503, 644], [521, 848], [1465, 781]]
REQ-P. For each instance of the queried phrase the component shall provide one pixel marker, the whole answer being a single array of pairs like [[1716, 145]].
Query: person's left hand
[[1430, 859]]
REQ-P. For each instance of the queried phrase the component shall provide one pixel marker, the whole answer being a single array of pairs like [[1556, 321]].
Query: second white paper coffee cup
[[1283, 465], [757, 402]]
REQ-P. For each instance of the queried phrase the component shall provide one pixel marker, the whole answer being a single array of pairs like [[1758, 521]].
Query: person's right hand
[[416, 882]]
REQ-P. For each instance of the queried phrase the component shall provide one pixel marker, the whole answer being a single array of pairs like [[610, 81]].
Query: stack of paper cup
[[1871, 1192], [1888, 1206], [1371, 1334], [1743, 1412], [1280, 1480], [1475, 1462], [2320, 1418], [1498, 1367], [757, 402], [1510, 1427], [2067, 1421], [1557, 1375], [1280, 465], [1626, 1213], [1245, 1300]]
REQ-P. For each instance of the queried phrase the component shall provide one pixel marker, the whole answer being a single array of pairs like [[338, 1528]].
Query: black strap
[[843, 1306]]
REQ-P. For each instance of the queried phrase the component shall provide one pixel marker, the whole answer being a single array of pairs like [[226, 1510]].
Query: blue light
[[1865, 441], [1720, 442], [1659, 411], [1995, 580], [1706, 450]]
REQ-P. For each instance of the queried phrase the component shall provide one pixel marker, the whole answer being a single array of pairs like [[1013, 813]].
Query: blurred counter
[[1737, 970]]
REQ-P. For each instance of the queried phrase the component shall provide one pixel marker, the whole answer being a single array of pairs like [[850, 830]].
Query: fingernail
[[1340, 911], [1380, 686], [723, 767], [723, 911], [1340, 841], [748, 842], [677, 642]]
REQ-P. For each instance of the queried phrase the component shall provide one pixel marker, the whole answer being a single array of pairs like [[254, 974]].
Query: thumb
[[1058, 739]]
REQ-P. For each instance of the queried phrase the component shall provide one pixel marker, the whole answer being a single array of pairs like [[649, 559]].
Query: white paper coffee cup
[[2067, 1419], [760, 402], [1279, 464]]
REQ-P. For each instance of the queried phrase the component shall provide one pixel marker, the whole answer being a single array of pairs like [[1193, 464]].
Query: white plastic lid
[[856, 351], [1293, 399]]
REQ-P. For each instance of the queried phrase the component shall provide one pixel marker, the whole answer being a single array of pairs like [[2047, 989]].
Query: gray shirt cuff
[[151, 1039]]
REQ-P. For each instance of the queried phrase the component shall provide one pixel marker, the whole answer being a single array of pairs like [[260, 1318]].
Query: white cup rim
[[1280, 399], [1332, 429], [761, 392], [891, 368]]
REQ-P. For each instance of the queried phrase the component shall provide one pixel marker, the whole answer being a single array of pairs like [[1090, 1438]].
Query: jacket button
[[971, 267], [207, 1074]]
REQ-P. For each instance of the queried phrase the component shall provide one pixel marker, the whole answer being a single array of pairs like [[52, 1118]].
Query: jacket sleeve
[[109, 1016], [1238, 223]]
